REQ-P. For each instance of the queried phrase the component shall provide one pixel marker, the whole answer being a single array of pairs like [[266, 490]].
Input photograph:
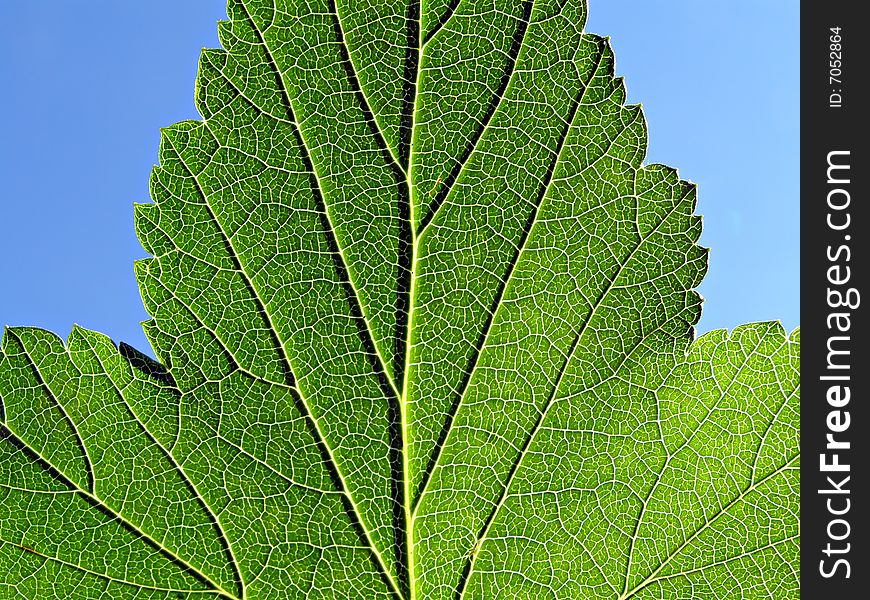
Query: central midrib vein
[[406, 363]]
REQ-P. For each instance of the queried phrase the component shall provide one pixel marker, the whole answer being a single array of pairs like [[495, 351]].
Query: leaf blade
[[425, 317], [122, 495]]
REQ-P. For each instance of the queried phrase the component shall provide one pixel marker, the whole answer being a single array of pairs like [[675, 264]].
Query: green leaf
[[425, 323]]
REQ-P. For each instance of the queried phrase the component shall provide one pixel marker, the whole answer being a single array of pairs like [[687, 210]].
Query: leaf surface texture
[[425, 324]]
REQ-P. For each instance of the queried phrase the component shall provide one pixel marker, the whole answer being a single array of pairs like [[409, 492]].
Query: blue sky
[[89, 84]]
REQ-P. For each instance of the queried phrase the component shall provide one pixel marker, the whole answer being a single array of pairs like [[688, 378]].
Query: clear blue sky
[[87, 85]]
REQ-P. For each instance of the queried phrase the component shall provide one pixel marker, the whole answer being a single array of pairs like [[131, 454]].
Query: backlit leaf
[[425, 326]]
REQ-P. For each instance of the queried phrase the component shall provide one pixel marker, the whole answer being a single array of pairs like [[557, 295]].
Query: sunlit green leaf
[[425, 326]]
